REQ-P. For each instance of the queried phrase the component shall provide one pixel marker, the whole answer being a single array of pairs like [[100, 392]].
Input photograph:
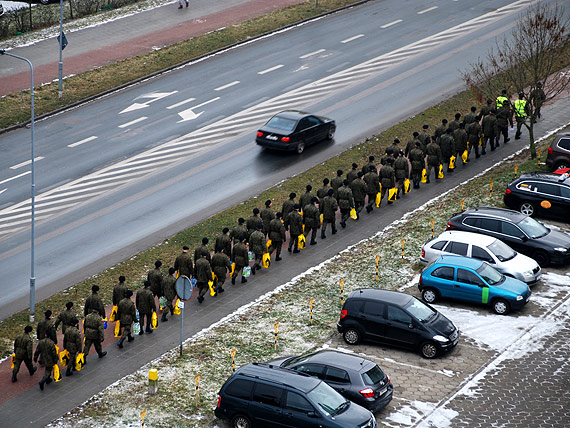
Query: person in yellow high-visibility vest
[[520, 114], [501, 99]]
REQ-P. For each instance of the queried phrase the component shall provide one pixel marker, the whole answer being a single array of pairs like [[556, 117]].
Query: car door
[[400, 329], [469, 286], [312, 369], [549, 200], [442, 278], [338, 379], [265, 406], [481, 253], [563, 207], [372, 319], [458, 248], [514, 236], [304, 131], [298, 412], [319, 130]]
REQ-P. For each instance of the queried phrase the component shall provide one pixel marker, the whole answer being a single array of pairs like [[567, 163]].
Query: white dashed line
[[15, 177], [312, 53], [269, 70], [85, 140], [389, 24], [352, 38], [207, 102], [181, 103], [429, 9], [2, 191], [20, 165], [132, 122], [229, 85]]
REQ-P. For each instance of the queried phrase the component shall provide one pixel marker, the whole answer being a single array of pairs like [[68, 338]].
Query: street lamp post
[[32, 273], [60, 84]]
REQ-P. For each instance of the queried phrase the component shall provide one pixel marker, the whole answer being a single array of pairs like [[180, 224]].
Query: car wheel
[[501, 307], [240, 421], [527, 208], [561, 165], [300, 147], [330, 134], [541, 258], [429, 295], [351, 336], [428, 350]]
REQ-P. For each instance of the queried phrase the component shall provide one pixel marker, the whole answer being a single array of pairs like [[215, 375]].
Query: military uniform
[[169, 293], [417, 159], [345, 203], [489, 131], [321, 193], [257, 244], [335, 185], [146, 306], [154, 276], [365, 169], [221, 266], [387, 180], [504, 117], [401, 171], [46, 326], [204, 249], [474, 135], [241, 259], [372, 187], [453, 124], [65, 318], [277, 236], [305, 200], [434, 159], [425, 139], [72, 342], [469, 118], [183, 264], [267, 214], [94, 302], [48, 357], [312, 221], [126, 314], [252, 223], [119, 293], [287, 208], [237, 231], [329, 214], [358, 188], [460, 140], [352, 175], [446, 144], [537, 97], [94, 334], [203, 276], [439, 131], [295, 226], [411, 145], [23, 346]]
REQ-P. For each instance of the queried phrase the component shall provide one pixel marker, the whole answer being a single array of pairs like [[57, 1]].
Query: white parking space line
[[132, 122], [181, 103], [429, 9], [312, 53], [15, 177], [389, 24], [350, 39], [229, 85], [20, 165], [85, 140], [269, 70]]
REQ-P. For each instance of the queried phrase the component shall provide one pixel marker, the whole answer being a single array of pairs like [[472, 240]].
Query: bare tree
[[527, 62]]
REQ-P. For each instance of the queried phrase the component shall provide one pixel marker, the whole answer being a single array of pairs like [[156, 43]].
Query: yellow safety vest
[[500, 100], [520, 108]]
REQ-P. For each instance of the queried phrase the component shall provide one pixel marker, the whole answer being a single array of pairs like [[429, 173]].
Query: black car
[[397, 319], [558, 156], [293, 130], [263, 395], [522, 233], [356, 378], [541, 194]]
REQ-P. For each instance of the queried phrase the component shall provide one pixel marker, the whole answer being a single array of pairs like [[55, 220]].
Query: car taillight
[[450, 225], [219, 401], [389, 380], [259, 134], [368, 392], [508, 191], [423, 253], [285, 139], [550, 150], [421, 280], [343, 313]]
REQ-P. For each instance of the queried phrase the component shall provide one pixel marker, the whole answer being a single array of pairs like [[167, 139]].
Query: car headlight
[[519, 298], [561, 249], [440, 338]]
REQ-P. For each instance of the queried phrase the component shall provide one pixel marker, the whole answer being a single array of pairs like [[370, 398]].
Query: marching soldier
[[521, 112], [252, 223], [94, 302], [240, 258], [239, 230], [277, 236], [146, 306], [224, 241], [312, 220], [221, 266], [417, 159], [119, 291], [353, 173], [65, 318], [288, 207], [388, 155], [267, 214], [169, 292], [394, 147], [440, 130], [401, 171], [358, 187], [367, 166], [306, 197], [474, 135], [47, 355], [387, 178], [446, 144], [204, 248], [345, 202], [45, 327], [72, 342], [460, 140], [295, 226], [538, 97], [323, 191], [154, 277], [504, 117], [454, 124], [502, 99], [94, 333], [424, 138], [337, 182], [329, 213], [204, 274], [183, 263], [412, 143], [434, 159], [372, 187], [126, 315], [471, 116], [258, 245], [23, 349], [486, 109], [489, 130]]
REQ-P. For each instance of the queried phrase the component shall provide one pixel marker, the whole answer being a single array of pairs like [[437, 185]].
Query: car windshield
[[420, 310], [373, 376], [490, 274], [502, 251], [281, 123], [295, 360], [533, 228], [327, 399]]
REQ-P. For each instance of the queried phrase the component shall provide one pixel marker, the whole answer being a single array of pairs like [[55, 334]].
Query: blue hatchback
[[472, 280]]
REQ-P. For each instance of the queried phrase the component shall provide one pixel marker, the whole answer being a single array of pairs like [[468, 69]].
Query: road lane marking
[[85, 140], [3, 190], [269, 70], [429, 9], [312, 53], [229, 85], [132, 122], [154, 96], [15, 177], [389, 24], [181, 103], [207, 102], [350, 39], [20, 165]]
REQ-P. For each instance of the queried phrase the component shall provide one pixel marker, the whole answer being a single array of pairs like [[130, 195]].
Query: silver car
[[486, 248]]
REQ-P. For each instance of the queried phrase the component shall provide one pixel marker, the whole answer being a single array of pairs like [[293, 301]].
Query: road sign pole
[[181, 327]]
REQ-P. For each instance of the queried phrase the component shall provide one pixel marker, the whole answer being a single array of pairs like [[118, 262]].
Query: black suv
[[396, 319], [559, 152], [540, 193], [263, 395], [356, 378], [520, 232]]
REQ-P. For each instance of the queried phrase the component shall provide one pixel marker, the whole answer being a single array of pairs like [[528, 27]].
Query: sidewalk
[[129, 36]]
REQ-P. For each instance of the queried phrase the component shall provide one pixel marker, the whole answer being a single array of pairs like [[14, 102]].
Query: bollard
[[233, 353], [152, 381], [377, 261], [432, 224], [491, 189], [342, 292], [403, 243], [276, 326], [311, 300], [516, 171], [462, 204]]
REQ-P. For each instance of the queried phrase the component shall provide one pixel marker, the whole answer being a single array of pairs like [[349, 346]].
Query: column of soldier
[[264, 233]]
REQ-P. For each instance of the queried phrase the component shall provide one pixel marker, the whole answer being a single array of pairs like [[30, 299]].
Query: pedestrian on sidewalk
[[257, 244], [183, 263], [372, 188], [94, 334], [221, 266], [521, 112], [94, 302], [238, 231], [345, 202], [202, 249], [23, 346], [295, 225], [72, 342], [146, 306], [203, 276], [169, 293], [330, 206], [267, 214], [45, 327], [126, 314], [277, 236], [65, 318], [119, 291], [358, 187], [47, 355], [240, 258], [154, 276], [312, 220], [224, 241]]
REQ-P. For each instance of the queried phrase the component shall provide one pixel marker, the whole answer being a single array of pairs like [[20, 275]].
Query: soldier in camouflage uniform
[[94, 302], [169, 293], [154, 276], [72, 342], [126, 315], [267, 214], [253, 222], [258, 245], [504, 117], [474, 135], [94, 333], [204, 274], [401, 171], [204, 248], [312, 220], [224, 241], [323, 191], [434, 159], [489, 129], [353, 173], [239, 230], [23, 346], [387, 178], [295, 226], [288, 207], [277, 236], [358, 187], [337, 182], [65, 318], [372, 187], [329, 208], [471, 116], [240, 258], [447, 144], [47, 354], [345, 202], [306, 197], [367, 166], [146, 306], [424, 138], [45, 326], [119, 291], [412, 143], [454, 124], [417, 159], [221, 266], [440, 130], [183, 263], [460, 139]]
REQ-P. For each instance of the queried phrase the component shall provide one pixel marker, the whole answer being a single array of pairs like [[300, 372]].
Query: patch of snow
[[409, 414], [412, 283], [441, 419]]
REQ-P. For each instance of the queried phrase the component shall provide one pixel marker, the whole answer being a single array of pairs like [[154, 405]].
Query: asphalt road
[[132, 168]]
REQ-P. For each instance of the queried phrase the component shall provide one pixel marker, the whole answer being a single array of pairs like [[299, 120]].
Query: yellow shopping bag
[[177, 310], [480, 142], [452, 162], [265, 260], [64, 357], [233, 269], [268, 243], [378, 199], [440, 174], [301, 242], [118, 329], [79, 361], [211, 287], [113, 314], [407, 186], [424, 176], [154, 321], [303, 228], [56, 373], [12, 359], [465, 156], [392, 193], [322, 216], [353, 214]]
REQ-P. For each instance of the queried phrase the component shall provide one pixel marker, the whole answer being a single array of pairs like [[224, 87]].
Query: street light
[[32, 273]]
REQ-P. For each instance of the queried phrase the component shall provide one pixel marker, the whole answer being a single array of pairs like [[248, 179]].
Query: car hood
[[440, 324], [353, 416], [519, 263], [513, 285], [557, 239]]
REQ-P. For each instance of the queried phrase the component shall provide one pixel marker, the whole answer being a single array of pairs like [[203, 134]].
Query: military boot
[[243, 280], [130, 338], [14, 378], [102, 354], [163, 318], [69, 371], [120, 342]]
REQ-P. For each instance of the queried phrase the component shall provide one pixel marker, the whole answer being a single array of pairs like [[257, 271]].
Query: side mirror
[[411, 325], [524, 238], [312, 415]]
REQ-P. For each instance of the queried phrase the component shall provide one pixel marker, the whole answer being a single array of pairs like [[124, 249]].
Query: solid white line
[[181, 103], [16, 176], [421, 12], [26, 163], [207, 102], [132, 122], [235, 82], [389, 24], [352, 38], [85, 140], [312, 53], [271, 69]]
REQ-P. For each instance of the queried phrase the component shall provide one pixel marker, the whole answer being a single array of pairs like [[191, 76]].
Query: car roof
[[340, 359], [458, 261], [467, 237], [279, 375], [293, 114], [490, 212], [384, 295], [544, 176]]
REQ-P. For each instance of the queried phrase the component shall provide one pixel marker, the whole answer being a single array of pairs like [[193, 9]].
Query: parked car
[[397, 319], [293, 130], [522, 233], [356, 378], [262, 395], [559, 152], [541, 194], [486, 248], [470, 280]]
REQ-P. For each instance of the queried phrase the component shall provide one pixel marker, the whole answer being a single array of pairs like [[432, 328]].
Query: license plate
[[382, 392]]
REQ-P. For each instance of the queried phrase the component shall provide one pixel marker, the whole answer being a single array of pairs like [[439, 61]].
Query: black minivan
[[263, 395], [397, 319]]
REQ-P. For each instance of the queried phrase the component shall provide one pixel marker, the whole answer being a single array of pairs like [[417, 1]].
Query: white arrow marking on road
[[189, 114], [154, 96]]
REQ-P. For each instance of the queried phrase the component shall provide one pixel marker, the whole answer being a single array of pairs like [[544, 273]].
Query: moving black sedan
[[541, 194], [293, 130]]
